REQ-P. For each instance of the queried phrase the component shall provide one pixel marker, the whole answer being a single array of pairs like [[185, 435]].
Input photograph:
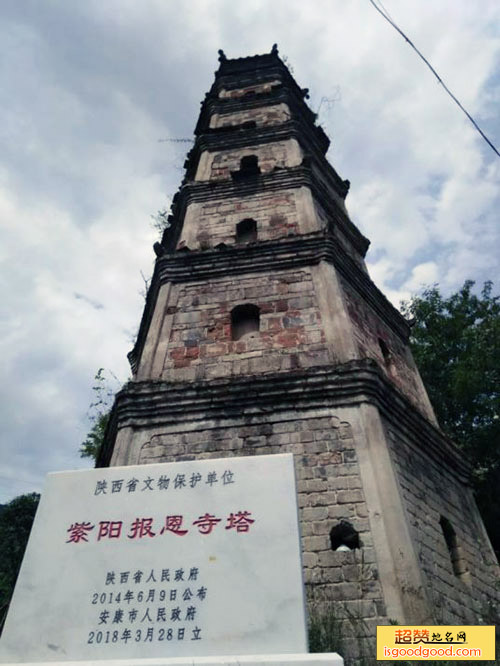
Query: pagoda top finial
[[274, 50], [222, 56]]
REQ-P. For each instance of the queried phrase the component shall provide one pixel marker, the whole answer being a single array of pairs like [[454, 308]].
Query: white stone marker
[[173, 560]]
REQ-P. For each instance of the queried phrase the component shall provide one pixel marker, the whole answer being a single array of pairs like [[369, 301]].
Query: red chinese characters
[[173, 524], [111, 529], [140, 528], [240, 521], [206, 523], [79, 532]]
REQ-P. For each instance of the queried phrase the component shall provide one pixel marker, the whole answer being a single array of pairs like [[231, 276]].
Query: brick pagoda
[[263, 333]]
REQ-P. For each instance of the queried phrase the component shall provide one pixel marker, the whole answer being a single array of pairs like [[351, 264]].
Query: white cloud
[[88, 89]]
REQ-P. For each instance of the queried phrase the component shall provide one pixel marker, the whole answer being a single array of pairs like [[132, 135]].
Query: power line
[[385, 10], [440, 80]]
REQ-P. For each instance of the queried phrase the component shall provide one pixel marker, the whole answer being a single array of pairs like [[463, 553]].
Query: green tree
[[95, 437], [16, 519], [456, 344], [99, 412]]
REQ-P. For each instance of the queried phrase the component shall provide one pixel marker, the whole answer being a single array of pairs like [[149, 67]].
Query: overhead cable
[[440, 80]]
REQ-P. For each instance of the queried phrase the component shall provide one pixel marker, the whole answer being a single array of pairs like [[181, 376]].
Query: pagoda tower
[[263, 333]]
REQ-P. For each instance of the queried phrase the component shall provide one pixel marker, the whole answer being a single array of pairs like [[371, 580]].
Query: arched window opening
[[249, 165], [249, 168], [450, 537], [344, 537], [245, 321], [246, 231]]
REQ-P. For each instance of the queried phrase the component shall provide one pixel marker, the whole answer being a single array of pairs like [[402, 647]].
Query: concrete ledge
[[321, 659]]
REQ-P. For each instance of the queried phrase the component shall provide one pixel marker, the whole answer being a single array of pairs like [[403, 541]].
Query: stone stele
[[173, 560]]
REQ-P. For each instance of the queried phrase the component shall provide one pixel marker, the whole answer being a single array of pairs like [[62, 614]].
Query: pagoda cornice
[[304, 175], [166, 404], [312, 139], [238, 73], [283, 254], [226, 138], [278, 94]]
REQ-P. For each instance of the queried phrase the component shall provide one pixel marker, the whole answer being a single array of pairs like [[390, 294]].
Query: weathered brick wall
[[429, 490], [256, 88], [368, 328], [329, 489], [275, 213], [263, 116], [279, 154], [291, 335], [345, 243]]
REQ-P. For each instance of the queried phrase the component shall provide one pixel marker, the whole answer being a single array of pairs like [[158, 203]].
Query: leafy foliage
[[456, 344], [92, 445], [99, 412], [16, 519]]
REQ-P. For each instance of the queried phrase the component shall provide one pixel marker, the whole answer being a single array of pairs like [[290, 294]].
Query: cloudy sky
[[90, 90]]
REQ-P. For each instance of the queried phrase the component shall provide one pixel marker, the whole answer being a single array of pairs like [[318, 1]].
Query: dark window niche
[[249, 168], [385, 351], [455, 552], [245, 320], [246, 231], [388, 357], [249, 165], [343, 536]]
